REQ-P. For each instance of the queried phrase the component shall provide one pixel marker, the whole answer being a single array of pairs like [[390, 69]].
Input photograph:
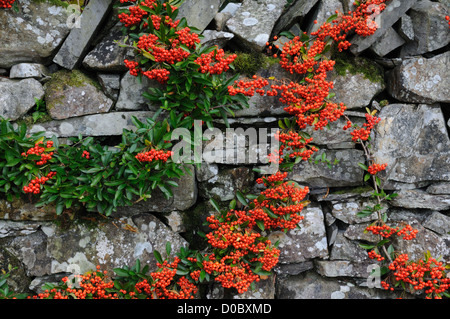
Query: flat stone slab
[[78, 40], [107, 124]]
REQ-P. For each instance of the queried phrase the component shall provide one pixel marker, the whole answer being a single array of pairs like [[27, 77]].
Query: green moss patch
[[357, 65]]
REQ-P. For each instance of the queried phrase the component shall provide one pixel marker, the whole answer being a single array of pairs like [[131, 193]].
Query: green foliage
[[5, 291]]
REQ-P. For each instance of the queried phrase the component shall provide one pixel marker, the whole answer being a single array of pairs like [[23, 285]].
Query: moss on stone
[[250, 63], [60, 3], [357, 65], [356, 190]]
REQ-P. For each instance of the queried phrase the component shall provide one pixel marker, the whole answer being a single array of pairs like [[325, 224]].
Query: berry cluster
[[448, 19], [154, 155], [40, 150], [375, 168], [386, 231], [215, 62], [86, 155], [295, 145], [364, 132], [374, 255], [426, 275], [6, 3], [34, 186]]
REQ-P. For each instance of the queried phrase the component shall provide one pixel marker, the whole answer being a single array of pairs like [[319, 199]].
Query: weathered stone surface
[[386, 19], [199, 13], [32, 34], [310, 285], [325, 9], [406, 29], [345, 249], [224, 185], [75, 45], [421, 80], [413, 141], [306, 243], [108, 56], [71, 93], [437, 222], [253, 23], [442, 188], [346, 211], [20, 210], [108, 124], [79, 249], [28, 70], [219, 38], [416, 198], [9, 229], [387, 43], [130, 96], [18, 97], [110, 84], [293, 14], [345, 173], [430, 33], [354, 90], [342, 268]]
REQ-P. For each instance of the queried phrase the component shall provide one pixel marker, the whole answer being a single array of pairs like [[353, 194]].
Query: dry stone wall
[[401, 71]]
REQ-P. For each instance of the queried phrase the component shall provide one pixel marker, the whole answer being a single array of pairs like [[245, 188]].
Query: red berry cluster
[[39, 149], [86, 155], [6, 3], [374, 255], [386, 231], [215, 62], [375, 168], [295, 144], [426, 275], [154, 155], [364, 132], [35, 184], [448, 19]]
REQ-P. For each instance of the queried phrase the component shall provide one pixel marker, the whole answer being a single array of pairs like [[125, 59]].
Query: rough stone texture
[[199, 13], [430, 33], [74, 47], [18, 97], [345, 173], [28, 70], [415, 198], [108, 56], [79, 249], [354, 90], [219, 38], [394, 10], [109, 124], [110, 84], [437, 222], [20, 210], [71, 94], [131, 90], [293, 14], [32, 34], [442, 188], [413, 141], [304, 243], [224, 185], [388, 42], [421, 80], [406, 29], [253, 23], [325, 9], [310, 285]]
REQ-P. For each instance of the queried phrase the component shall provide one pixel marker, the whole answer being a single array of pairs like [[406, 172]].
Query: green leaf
[[158, 256], [214, 204], [366, 246], [168, 248], [241, 198], [260, 224]]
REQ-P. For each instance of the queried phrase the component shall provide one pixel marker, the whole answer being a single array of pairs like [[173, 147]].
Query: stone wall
[[401, 71]]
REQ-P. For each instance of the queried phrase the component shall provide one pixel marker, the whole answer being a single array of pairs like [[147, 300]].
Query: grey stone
[[354, 90], [293, 14], [342, 268], [9, 229], [110, 84], [72, 93], [20, 210], [406, 29], [325, 9], [305, 243], [226, 183], [386, 19], [345, 173], [80, 248], [430, 33], [219, 38], [345, 249], [253, 23], [199, 13], [413, 141], [32, 34], [437, 222], [416, 198], [346, 211], [71, 53], [18, 97], [310, 285], [131, 90], [108, 56], [387, 43], [421, 80], [108, 124], [442, 188], [28, 70]]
